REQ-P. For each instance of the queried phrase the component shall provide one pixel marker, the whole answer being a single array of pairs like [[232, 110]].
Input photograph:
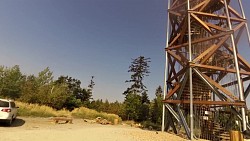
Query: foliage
[[136, 98], [65, 92], [151, 126], [132, 106], [108, 107], [139, 68], [156, 108], [74, 88], [65, 96], [11, 80]]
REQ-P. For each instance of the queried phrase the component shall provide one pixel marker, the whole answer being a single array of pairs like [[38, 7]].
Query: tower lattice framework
[[206, 76]]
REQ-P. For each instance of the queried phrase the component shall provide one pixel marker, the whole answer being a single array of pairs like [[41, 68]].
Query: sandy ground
[[41, 129]]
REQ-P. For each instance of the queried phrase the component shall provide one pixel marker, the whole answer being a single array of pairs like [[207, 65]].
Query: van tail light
[[6, 110]]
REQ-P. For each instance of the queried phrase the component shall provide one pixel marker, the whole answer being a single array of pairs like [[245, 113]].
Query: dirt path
[[41, 129]]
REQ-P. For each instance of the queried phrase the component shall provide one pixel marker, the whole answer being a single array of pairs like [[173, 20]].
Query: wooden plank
[[236, 136], [66, 119]]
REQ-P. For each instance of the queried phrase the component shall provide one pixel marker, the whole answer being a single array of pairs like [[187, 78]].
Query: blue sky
[[81, 38]]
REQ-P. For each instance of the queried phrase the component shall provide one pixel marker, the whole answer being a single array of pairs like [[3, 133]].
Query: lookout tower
[[207, 80]]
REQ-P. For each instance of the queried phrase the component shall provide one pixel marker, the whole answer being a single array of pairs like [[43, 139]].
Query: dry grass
[[35, 110], [92, 114]]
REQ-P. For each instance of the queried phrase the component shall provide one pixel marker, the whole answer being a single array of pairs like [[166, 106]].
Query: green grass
[[35, 110]]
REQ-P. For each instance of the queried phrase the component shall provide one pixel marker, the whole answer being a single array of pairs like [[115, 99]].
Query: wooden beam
[[220, 69], [204, 5], [174, 3], [204, 53], [173, 71], [214, 49], [242, 24], [218, 16], [199, 5], [215, 27], [237, 38], [174, 40], [174, 13], [234, 12], [216, 36], [241, 59], [172, 91], [201, 23], [177, 57], [181, 72], [224, 103], [235, 82], [225, 91], [178, 6]]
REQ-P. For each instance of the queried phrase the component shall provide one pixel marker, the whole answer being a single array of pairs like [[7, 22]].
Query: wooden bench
[[66, 119]]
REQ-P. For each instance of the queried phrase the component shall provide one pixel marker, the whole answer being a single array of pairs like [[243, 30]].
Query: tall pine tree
[[136, 98]]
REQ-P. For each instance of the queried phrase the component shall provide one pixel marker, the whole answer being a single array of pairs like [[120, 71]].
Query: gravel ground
[[41, 129]]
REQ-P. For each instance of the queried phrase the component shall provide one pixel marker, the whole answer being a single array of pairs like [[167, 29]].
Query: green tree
[[156, 112], [136, 99], [29, 90], [11, 80], [144, 107], [132, 106], [77, 95], [139, 68]]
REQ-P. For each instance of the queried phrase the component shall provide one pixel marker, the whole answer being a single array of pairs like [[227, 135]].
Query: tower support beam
[[236, 62]]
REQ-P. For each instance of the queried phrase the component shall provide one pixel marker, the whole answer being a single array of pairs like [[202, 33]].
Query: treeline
[[64, 92], [152, 116]]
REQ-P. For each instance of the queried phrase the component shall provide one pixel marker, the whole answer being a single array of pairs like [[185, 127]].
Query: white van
[[8, 110]]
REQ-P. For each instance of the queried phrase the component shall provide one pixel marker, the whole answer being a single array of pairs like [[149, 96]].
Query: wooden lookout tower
[[206, 77]]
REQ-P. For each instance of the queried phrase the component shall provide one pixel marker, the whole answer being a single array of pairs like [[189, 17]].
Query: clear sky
[[81, 38]]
